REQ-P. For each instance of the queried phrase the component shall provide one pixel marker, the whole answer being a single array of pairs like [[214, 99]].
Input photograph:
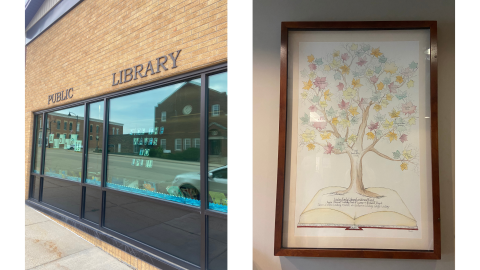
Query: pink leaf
[[407, 72], [328, 149], [408, 108], [344, 105], [374, 79], [392, 87], [362, 61], [321, 83], [340, 86], [363, 103], [373, 126], [403, 138], [345, 57], [312, 108], [312, 67]]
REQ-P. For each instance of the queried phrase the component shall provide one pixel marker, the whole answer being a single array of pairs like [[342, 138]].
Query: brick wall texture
[[100, 37]]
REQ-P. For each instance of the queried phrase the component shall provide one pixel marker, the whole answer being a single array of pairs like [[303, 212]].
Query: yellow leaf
[[310, 58], [345, 69], [349, 93], [410, 84], [353, 111], [325, 136], [356, 83], [376, 52], [370, 135], [394, 114], [326, 68], [353, 47], [369, 73], [304, 94], [310, 146], [399, 79], [377, 107], [323, 104], [404, 166], [412, 121], [336, 53], [384, 103], [387, 124], [308, 135], [392, 136], [335, 121], [335, 63], [345, 123], [407, 154], [380, 86], [327, 95], [351, 139], [307, 85], [390, 68], [389, 97]]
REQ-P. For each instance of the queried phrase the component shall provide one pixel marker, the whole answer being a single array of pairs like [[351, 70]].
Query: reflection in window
[[38, 145], [63, 154], [197, 143], [94, 144], [217, 143], [217, 243], [70, 127], [145, 162]]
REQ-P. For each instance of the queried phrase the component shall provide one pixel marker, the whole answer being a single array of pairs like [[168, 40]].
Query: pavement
[[51, 246]]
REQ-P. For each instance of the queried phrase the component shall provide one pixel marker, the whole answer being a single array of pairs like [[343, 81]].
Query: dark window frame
[[159, 256]]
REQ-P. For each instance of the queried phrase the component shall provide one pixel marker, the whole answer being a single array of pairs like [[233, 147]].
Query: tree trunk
[[356, 178]]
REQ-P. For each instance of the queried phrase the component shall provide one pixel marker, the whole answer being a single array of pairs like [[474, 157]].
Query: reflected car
[[189, 183]]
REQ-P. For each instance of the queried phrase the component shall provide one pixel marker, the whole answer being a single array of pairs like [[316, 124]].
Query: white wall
[[267, 16]]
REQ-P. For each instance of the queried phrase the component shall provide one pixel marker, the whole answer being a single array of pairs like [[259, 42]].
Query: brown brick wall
[[101, 37]]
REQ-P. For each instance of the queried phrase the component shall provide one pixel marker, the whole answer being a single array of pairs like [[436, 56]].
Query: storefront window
[[217, 243], [63, 156], [217, 143], [65, 195], [93, 203], [38, 144], [94, 144], [147, 156]]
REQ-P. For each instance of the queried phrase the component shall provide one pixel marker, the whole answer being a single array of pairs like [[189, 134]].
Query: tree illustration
[[358, 99]]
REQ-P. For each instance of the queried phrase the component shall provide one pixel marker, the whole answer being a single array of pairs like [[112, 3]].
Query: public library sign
[[135, 72]]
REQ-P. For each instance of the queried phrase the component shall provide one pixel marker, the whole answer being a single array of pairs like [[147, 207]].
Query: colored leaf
[[399, 79], [312, 67], [354, 120], [407, 154], [353, 47], [345, 123], [340, 86], [331, 112], [370, 135], [363, 103], [343, 105], [392, 136], [356, 83], [304, 73], [321, 83], [304, 94], [345, 69], [365, 47], [361, 61], [378, 69], [386, 80], [384, 103], [343, 114], [335, 121], [310, 58], [328, 149], [325, 136], [312, 75], [326, 68], [305, 119], [318, 61], [413, 65], [392, 87], [337, 76], [315, 99], [387, 124], [397, 154], [390, 68], [382, 59], [353, 110], [312, 108], [380, 86], [349, 93], [403, 138], [401, 95], [307, 85], [311, 146], [407, 72], [389, 97], [394, 114], [351, 139], [339, 144], [378, 133], [336, 53], [369, 72], [308, 135], [376, 97], [376, 52], [410, 84], [323, 104], [412, 121], [359, 53], [373, 125], [377, 107], [327, 95], [335, 63], [345, 56], [379, 117], [408, 108], [404, 166], [374, 79]]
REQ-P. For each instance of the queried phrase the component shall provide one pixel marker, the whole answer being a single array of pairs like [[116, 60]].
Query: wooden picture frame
[[282, 174]]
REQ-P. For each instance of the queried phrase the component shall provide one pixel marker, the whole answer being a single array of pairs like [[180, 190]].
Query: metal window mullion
[[203, 171], [84, 162], [44, 133], [104, 162]]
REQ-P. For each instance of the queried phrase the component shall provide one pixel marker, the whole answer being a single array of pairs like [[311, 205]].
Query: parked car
[[189, 183]]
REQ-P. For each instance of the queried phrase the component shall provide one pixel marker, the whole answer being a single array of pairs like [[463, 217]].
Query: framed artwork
[[358, 149]]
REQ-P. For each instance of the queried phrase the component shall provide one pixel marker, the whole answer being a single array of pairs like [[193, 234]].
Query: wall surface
[[101, 37], [267, 16]]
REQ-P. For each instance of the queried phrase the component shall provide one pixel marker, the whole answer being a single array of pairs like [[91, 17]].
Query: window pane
[[36, 187], [62, 194], [95, 144], [38, 145], [93, 200], [63, 156], [147, 156], [217, 243], [217, 142], [170, 229]]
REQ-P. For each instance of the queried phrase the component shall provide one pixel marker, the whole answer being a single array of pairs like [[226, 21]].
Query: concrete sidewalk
[[51, 246]]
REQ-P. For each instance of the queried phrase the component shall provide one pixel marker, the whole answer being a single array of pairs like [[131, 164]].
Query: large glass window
[[217, 243], [95, 144], [155, 170], [217, 142], [93, 203], [65, 195], [38, 144], [63, 156]]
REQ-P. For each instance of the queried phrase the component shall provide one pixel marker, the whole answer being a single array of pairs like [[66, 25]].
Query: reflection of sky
[[218, 82], [96, 110]]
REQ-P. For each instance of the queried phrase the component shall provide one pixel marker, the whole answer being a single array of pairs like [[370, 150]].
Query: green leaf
[[379, 117], [397, 154], [378, 133], [331, 112], [337, 76], [354, 120], [315, 99], [318, 61], [365, 47], [376, 97], [343, 114], [413, 65], [386, 81], [401, 95], [305, 119], [339, 144], [382, 59], [378, 69], [304, 73]]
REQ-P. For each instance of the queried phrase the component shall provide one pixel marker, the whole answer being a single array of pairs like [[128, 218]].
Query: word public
[[134, 73], [65, 94]]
